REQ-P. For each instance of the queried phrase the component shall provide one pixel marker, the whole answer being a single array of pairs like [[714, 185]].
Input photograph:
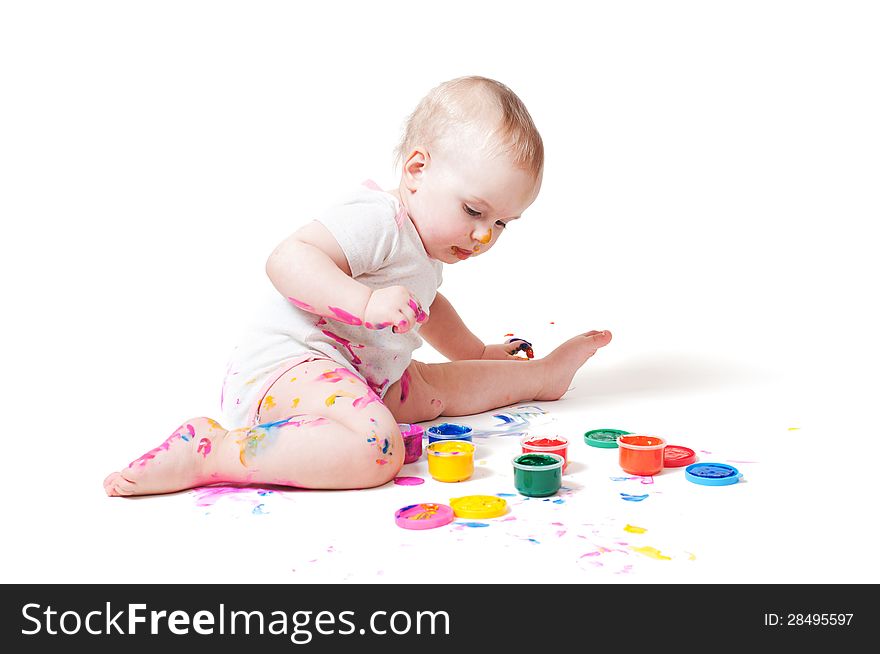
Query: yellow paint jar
[[451, 460]]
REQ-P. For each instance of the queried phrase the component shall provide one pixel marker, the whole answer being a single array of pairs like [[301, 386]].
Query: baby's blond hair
[[477, 103]]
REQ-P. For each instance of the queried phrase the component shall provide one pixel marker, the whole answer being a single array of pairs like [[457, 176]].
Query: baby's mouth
[[461, 254]]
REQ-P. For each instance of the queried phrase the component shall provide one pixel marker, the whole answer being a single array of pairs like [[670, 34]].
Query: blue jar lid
[[712, 474]]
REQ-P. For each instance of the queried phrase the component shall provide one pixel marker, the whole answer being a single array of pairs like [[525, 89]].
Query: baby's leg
[[321, 427], [458, 388]]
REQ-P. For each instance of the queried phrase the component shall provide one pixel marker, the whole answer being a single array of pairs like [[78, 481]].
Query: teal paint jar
[[537, 475]]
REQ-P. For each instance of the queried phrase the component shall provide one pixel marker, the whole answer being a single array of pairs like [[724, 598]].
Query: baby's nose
[[482, 236]]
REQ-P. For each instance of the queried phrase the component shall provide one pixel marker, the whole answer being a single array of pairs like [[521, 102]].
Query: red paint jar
[[546, 445], [641, 455]]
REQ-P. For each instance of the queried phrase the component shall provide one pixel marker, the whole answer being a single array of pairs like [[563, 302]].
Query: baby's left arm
[[447, 333]]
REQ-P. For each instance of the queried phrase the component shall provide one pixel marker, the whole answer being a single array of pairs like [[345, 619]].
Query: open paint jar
[[537, 474], [641, 455], [547, 444], [449, 432], [412, 441], [451, 460]]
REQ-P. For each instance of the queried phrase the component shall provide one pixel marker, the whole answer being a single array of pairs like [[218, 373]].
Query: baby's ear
[[415, 165]]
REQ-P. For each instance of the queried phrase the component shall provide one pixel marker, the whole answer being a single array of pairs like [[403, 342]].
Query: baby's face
[[461, 201]]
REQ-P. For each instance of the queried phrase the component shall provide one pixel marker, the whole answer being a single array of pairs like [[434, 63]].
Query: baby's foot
[[178, 463], [563, 362]]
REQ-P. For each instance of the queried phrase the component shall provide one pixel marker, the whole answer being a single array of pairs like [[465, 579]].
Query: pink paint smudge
[[409, 481], [190, 432], [344, 316], [301, 305], [347, 344], [370, 397], [204, 447], [404, 386], [421, 316]]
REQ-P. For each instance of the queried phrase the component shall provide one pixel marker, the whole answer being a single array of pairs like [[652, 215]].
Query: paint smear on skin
[[267, 433], [258, 509], [651, 552], [409, 481], [363, 401], [338, 374], [204, 447], [633, 498], [330, 401], [344, 316], [404, 386], [294, 403], [301, 305], [268, 402], [185, 432], [635, 530]]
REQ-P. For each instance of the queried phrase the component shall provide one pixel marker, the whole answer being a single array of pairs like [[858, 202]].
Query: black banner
[[287, 617]]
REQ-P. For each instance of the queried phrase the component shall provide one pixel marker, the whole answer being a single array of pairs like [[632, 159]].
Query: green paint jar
[[537, 475]]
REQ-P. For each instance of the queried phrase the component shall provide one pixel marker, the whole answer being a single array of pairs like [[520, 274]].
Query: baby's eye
[[470, 211], [500, 223]]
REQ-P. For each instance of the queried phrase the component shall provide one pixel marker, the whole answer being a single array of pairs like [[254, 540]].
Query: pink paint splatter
[[370, 397], [404, 386], [301, 305], [190, 432], [344, 316], [347, 344], [421, 316], [408, 481], [204, 447]]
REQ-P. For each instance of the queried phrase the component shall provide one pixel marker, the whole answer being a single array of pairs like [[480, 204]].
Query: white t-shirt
[[383, 249]]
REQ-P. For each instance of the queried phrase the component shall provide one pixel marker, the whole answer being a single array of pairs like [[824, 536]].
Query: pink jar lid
[[424, 516]]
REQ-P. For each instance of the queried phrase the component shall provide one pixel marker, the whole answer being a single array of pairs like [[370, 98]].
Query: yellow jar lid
[[478, 506]]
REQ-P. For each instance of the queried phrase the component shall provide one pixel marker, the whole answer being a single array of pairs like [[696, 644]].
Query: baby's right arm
[[310, 269]]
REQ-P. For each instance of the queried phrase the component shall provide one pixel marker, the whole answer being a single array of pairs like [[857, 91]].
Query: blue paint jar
[[448, 431]]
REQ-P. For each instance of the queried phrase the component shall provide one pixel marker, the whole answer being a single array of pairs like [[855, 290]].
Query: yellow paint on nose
[[486, 238]]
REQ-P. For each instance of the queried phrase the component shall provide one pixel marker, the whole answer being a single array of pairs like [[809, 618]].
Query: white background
[[710, 196]]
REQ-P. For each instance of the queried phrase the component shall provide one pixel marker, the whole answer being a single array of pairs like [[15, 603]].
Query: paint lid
[[424, 516], [479, 506], [712, 474], [676, 456], [606, 438]]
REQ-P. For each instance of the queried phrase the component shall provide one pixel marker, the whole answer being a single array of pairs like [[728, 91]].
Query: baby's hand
[[394, 307], [507, 350]]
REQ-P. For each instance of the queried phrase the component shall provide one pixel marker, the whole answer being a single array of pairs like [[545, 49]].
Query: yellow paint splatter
[[635, 530], [692, 556], [250, 381], [330, 401], [295, 402], [268, 402], [293, 379], [651, 552], [793, 428]]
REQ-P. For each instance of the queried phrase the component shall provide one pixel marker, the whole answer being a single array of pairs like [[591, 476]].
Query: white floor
[[710, 197]]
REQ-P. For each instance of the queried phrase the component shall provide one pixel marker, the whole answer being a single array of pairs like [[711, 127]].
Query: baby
[[317, 388]]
